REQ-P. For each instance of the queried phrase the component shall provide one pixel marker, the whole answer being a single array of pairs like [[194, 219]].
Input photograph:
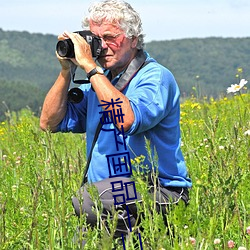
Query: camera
[[65, 48]]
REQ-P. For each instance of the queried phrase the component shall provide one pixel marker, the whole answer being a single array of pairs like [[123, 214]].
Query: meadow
[[40, 172]]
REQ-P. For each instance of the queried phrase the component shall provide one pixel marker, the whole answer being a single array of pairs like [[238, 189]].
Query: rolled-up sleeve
[[152, 99]]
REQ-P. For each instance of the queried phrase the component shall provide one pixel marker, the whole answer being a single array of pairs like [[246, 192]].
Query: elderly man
[[148, 99]]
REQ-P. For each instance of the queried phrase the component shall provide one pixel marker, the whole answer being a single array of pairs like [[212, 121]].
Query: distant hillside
[[210, 64], [28, 66], [28, 57]]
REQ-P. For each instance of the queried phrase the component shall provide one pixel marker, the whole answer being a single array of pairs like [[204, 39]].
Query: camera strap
[[136, 64]]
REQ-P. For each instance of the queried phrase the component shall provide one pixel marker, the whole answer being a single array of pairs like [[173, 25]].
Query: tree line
[[202, 67]]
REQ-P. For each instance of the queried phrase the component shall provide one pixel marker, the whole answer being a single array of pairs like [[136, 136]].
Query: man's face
[[118, 50]]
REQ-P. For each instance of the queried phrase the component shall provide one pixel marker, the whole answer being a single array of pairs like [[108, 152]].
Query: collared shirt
[[154, 97]]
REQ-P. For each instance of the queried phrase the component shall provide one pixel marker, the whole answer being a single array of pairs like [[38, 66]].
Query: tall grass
[[40, 172]]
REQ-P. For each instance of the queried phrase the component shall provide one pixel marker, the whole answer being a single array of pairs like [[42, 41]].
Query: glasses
[[110, 38]]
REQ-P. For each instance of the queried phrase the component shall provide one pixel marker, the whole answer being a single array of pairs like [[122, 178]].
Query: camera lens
[[65, 48], [75, 95]]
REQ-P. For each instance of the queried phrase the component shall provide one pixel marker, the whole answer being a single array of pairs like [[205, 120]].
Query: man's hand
[[66, 63], [83, 54]]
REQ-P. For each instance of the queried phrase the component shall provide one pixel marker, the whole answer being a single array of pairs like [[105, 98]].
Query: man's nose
[[104, 44]]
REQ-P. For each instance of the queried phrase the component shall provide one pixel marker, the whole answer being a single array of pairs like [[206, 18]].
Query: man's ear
[[134, 42]]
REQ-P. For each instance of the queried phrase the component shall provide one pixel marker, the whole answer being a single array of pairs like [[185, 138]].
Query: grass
[[40, 172]]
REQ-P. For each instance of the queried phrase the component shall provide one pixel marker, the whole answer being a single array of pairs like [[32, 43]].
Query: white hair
[[120, 13]]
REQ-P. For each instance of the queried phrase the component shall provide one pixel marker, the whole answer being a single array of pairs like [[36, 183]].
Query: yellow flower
[[240, 70], [195, 105]]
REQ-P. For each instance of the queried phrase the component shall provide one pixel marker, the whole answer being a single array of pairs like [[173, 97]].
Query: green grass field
[[40, 172]]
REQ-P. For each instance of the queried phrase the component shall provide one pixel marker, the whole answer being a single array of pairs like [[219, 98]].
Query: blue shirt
[[154, 98]]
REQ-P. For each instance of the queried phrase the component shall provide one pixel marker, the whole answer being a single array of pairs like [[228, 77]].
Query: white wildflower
[[242, 248], [247, 133], [236, 87], [217, 241]]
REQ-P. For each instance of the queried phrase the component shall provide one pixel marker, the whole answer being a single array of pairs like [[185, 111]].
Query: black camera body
[[65, 48]]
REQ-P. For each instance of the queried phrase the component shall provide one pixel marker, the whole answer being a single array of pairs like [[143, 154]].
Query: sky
[[162, 19]]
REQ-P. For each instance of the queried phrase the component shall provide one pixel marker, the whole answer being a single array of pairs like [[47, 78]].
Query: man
[[148, 97]]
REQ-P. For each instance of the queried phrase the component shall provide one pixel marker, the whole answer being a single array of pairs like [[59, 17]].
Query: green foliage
[[14, 95], [219, 157], [40, 172], [35, 208]]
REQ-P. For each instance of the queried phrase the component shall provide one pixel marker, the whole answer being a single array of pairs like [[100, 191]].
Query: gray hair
[[120, 13]]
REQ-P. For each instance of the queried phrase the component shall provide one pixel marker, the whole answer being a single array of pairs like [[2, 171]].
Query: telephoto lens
[[65, 48]]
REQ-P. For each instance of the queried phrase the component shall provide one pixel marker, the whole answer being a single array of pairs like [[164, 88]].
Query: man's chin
[[104, 63]]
